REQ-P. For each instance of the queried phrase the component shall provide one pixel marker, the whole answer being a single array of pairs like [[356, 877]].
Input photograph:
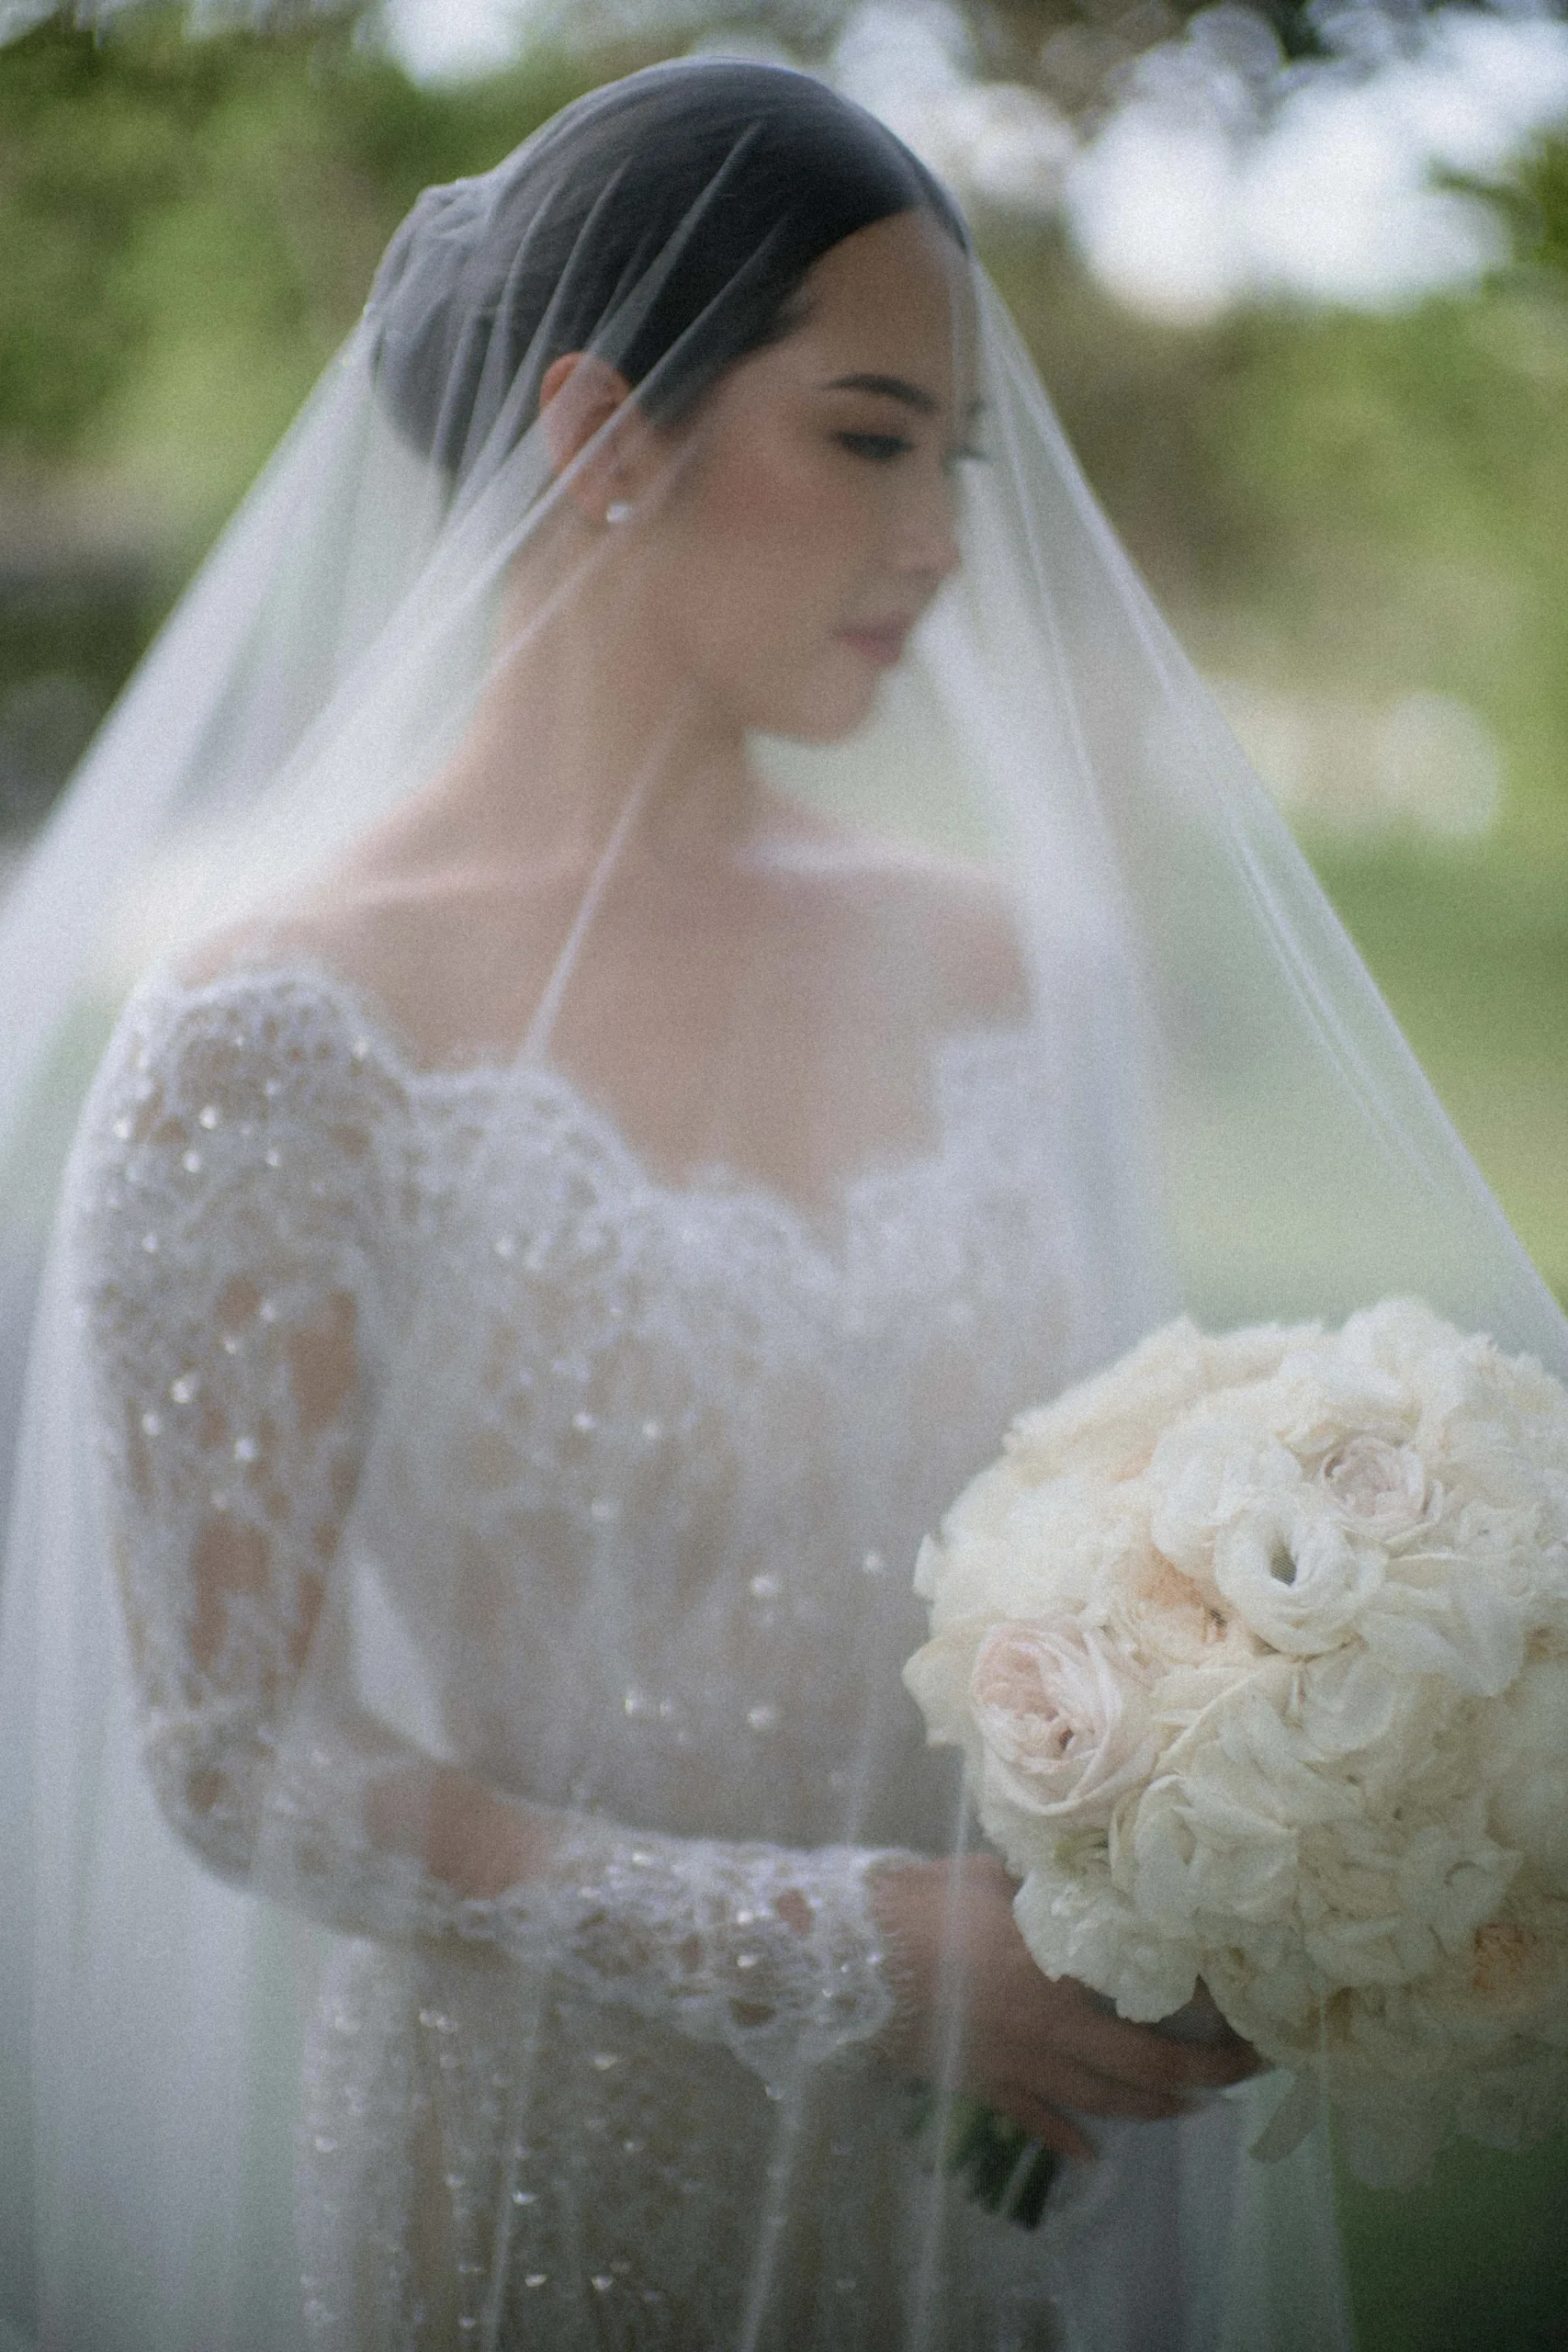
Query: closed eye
[[880, 448]]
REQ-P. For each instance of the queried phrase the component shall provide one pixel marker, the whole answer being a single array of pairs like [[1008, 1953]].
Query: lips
[[881, 642]]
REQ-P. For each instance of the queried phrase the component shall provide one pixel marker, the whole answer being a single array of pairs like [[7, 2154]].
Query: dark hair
[[732, 178]]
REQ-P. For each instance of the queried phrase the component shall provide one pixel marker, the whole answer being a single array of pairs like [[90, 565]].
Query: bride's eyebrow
[[898, 388], [888, 387]]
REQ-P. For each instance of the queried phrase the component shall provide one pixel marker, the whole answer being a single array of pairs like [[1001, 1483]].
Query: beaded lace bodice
[[615, 1483]]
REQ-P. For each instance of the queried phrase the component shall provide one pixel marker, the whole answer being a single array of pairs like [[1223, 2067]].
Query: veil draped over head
[[488, 1404]]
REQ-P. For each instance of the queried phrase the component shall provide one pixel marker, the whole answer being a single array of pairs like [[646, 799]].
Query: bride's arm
[[245, 1181], [245, 1208]]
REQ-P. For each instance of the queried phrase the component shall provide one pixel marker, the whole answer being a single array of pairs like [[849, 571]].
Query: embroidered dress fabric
[[511, 1433]]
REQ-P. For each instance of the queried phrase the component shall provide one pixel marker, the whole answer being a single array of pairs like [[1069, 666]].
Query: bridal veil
[[504, 1572]]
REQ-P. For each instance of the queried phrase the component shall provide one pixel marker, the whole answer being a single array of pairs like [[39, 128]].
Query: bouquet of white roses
[[1257, 1649]]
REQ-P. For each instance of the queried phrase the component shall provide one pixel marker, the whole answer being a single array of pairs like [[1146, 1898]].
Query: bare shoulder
[[364, 944], [449, 964], [350, 942], [259, 943]]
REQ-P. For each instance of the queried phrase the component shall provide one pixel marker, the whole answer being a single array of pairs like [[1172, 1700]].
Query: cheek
[[768, 552], [788, 536]]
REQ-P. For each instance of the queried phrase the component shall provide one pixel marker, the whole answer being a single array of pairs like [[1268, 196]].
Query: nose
[[928, 538]]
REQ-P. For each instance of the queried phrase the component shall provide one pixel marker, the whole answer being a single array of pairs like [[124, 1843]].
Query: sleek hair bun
[[665, 221]]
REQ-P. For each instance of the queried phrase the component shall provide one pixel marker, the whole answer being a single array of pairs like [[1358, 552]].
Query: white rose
[[1322, 1396], [1403, 1340], [1517, 1968], [1255, 1753], [1108, 1425], [1164, 1620], [1063, 1721], [937, 1678], [1264, 1984], [1348, 1702], [1007, 1549], [1381, 1488], [1217, 1834], [1454, 1877], [1382, 1904], [1296, 1576]]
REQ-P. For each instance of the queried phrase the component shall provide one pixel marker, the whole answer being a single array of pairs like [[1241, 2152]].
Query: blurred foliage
[[1013, 40], [1544, 181], [1326, 495], [1366, 507], [1473, 2262], [188, 227]]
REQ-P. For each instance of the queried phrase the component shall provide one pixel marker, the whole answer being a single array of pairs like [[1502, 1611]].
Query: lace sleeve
[[235, 1166], [772, 1952], [245, 1168]]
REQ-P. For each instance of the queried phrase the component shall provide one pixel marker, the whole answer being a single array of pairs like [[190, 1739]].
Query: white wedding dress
[[680, 1442]]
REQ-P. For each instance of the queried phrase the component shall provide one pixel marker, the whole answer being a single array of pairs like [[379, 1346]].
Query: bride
[[553, 1228]]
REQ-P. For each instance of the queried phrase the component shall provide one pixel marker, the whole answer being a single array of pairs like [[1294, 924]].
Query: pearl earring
[[618, 511]]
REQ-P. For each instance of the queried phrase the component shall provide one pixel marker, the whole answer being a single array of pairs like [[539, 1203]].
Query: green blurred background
[[1358, 523]]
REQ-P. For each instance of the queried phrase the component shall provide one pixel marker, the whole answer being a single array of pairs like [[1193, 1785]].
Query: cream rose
[[1381, 1488], [1063, 1721]]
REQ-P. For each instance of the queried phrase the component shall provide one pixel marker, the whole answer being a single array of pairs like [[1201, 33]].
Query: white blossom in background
[[911, 63], [1221, 173], [457, 40], [1225, 174]]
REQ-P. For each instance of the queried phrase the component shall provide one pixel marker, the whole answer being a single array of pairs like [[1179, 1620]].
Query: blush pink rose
[[1063, 1719]]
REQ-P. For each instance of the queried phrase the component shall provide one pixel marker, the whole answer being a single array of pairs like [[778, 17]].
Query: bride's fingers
[[1095, 2094], [1150, 2062], [1042, 2122]]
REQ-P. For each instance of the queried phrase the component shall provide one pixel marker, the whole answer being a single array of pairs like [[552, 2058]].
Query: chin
[[827, 716]]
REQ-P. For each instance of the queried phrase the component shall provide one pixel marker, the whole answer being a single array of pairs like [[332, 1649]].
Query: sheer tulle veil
[[1234, 1128]]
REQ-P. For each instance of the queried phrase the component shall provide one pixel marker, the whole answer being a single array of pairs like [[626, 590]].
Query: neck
[[584, 708]]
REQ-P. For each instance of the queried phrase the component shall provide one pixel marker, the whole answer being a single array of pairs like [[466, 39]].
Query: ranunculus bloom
[[1063, 1720]]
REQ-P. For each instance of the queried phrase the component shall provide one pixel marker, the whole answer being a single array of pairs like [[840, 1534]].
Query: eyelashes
[[880, 448], [883, 448]]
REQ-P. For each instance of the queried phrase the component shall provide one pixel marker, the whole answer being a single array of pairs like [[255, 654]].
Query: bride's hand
[[1029, 2045]]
